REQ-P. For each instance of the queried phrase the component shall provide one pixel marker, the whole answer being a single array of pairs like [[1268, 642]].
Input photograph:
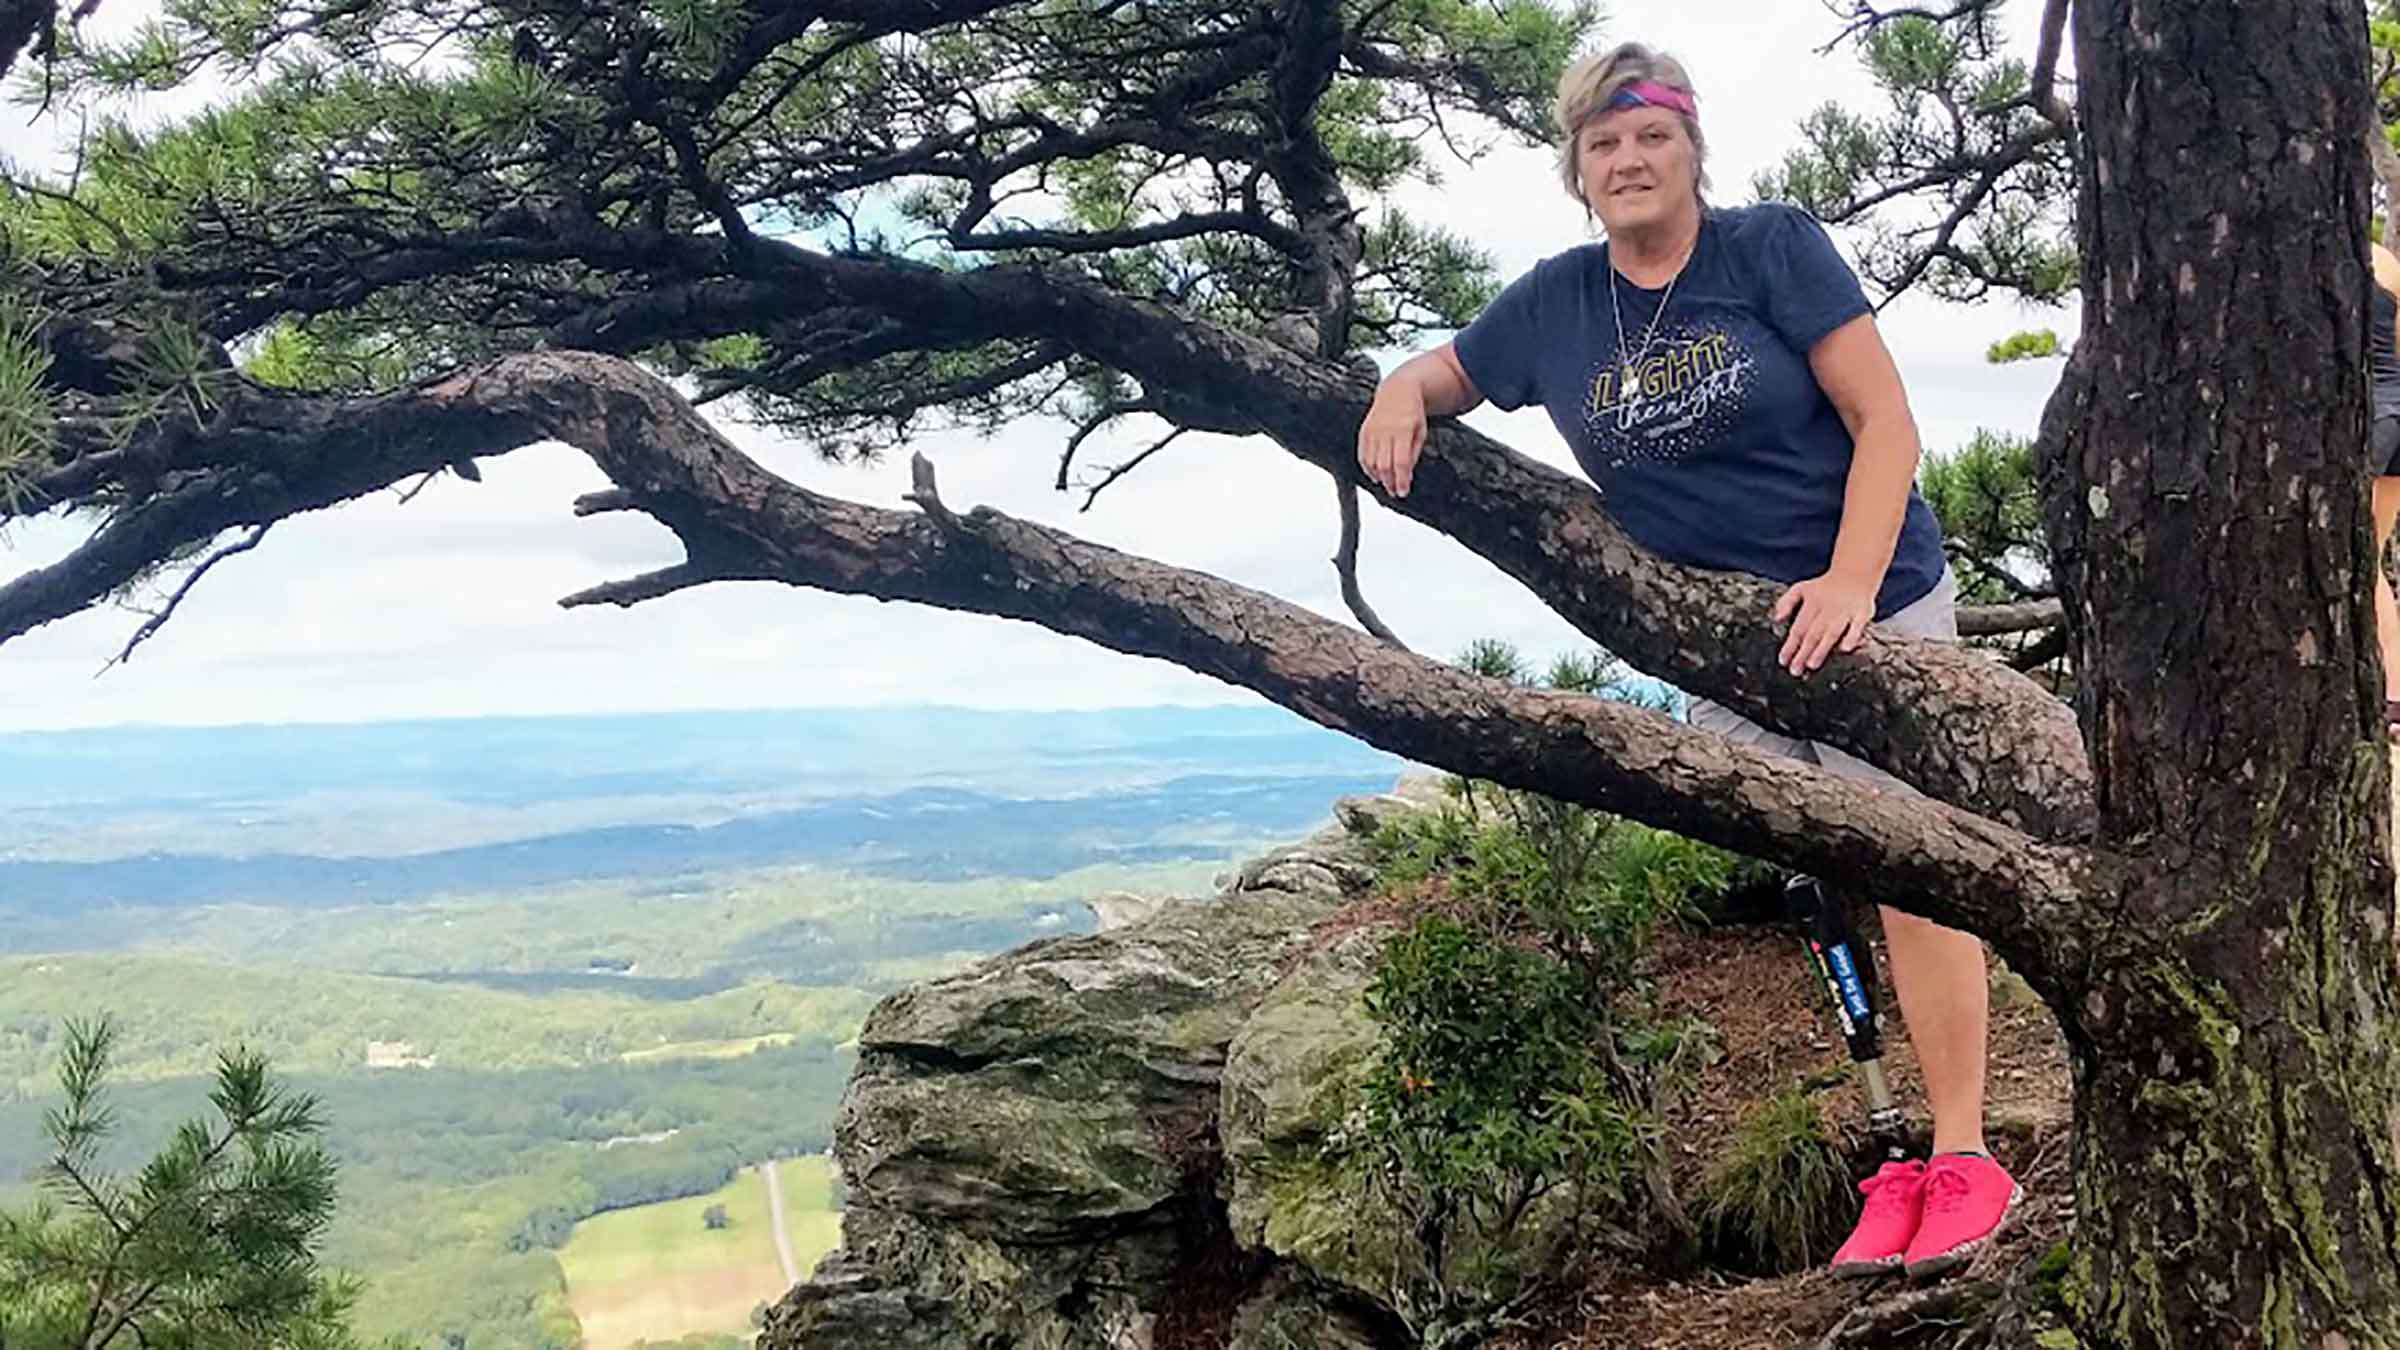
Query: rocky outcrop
[[1106, 1141], [1283, 1095], [1119, 908]]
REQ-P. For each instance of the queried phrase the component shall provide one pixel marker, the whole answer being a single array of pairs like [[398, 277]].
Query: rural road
[[783, 1241]]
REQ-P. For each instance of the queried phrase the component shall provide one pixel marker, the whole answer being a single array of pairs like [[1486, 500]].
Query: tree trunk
[[2205, 473]]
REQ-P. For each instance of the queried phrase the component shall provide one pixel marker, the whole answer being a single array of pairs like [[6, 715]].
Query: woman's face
[[1639, 168]]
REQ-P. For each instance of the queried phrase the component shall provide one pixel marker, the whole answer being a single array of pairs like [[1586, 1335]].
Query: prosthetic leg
[[1848, 970]]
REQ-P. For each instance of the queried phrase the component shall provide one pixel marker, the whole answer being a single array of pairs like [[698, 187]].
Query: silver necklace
[[1629, 380]]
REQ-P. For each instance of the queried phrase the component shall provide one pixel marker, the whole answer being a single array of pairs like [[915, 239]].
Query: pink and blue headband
[[1652, 94]]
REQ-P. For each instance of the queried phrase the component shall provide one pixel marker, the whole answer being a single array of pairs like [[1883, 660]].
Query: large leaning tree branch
[[737, 521], [1959, 727], [1948, 721]]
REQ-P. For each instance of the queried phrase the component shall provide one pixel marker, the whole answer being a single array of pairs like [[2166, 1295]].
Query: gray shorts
[[1935, 615]]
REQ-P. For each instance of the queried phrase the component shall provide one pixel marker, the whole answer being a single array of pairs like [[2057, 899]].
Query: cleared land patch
[[658, 1272], [707, 1049]]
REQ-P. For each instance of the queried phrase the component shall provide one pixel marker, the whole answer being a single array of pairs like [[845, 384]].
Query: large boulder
[[1030, 1146], [1291, 1074]]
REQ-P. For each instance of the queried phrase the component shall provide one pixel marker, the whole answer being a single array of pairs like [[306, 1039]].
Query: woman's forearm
[[1883, 468]]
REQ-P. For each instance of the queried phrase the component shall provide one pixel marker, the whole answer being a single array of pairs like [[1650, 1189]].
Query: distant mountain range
[[327, 815], [924, 834], [515, 760]]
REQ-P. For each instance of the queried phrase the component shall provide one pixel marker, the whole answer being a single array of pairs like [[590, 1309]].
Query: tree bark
[[2204, 471]]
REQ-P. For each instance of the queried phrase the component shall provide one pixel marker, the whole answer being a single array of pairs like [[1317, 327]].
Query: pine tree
[[210, 1245], [422, 231]]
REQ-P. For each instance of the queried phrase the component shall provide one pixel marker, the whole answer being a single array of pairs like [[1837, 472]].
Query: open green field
[[706, 1049], [812, 1219], [657, 1272]]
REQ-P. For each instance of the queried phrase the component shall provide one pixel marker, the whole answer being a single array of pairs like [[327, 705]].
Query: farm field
[[658, 1272]]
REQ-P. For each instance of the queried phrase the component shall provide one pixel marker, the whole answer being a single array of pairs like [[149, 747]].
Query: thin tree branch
[[1119, 471], [131, 1308], [159, 620], [116, 232], [1987, 175], [1989, 620], [410, 493], [926, 495], [1909, 1314], [1864, 16], [1345, 564], [2041, 90], [2041, 651], [1134, 236], [648, 586], [1107, 413]]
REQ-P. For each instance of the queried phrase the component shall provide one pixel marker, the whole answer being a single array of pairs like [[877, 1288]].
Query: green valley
[[542, 1058]]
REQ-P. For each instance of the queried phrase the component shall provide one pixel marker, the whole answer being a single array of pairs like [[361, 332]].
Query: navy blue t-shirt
[[1719, 449]]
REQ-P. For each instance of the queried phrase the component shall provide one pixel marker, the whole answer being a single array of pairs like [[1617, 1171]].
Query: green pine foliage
[[457, 1184], [401, 129], [1954, 100], [2383, 40], [26, 414], [2029, 345], [212, 1244], [1991, 512]]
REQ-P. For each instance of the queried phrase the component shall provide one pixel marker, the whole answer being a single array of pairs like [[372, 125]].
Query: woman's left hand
[[1827, 613]]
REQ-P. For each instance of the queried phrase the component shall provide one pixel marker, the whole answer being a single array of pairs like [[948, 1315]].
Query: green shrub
[[1780, 1199], [1510, 1121]]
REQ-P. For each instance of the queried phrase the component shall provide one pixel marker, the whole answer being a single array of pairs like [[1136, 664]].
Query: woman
[[1719, 375], [2384, 369]]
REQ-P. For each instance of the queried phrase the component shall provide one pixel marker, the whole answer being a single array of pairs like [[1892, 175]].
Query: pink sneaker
[[1966, 1198], [1895, 1197]]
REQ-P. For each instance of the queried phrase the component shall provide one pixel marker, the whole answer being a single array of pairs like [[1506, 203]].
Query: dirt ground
[[1753, 984]]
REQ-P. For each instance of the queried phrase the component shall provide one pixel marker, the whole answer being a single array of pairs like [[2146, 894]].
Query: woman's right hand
[[1393, 435]]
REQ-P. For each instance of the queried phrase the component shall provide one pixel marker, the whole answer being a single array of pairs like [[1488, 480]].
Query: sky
[[447, 606]]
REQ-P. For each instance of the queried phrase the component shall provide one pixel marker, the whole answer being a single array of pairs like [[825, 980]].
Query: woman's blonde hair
[[1584, 93]]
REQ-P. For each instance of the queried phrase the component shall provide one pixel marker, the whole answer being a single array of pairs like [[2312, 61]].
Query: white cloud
[[447, 606]]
